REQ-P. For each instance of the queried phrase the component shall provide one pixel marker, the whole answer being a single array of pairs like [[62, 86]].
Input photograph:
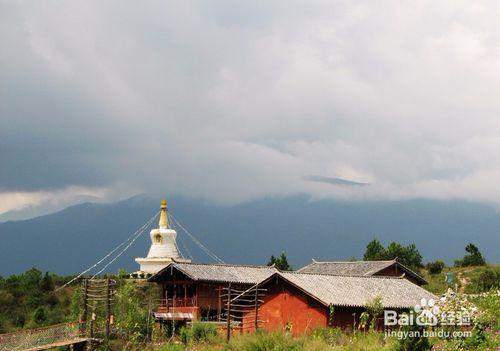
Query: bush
[[488, 279], [262, 341], [198, 332], [186, 335], [414, 343], [435, 267], [331, 336], [131, 313], [375, 309]]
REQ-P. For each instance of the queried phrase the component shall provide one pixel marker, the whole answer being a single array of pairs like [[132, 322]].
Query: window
[[158, 239]]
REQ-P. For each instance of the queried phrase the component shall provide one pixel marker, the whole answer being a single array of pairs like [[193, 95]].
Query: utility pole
[[228, 312]]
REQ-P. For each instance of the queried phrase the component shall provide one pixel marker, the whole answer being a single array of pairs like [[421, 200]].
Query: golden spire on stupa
[[163, 215]]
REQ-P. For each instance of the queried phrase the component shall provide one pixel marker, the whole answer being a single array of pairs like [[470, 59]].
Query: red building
[[272, 300]]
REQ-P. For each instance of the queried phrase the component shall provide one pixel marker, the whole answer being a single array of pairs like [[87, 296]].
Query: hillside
[[466, 278], [67, 241]]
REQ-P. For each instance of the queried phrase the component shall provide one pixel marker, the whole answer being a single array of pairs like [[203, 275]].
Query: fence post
[[256, 307], [85, 307], [228, 312], [108, 307]]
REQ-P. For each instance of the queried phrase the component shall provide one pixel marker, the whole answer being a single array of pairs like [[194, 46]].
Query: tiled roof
[[355, 268], [221, 272], [358, 291]]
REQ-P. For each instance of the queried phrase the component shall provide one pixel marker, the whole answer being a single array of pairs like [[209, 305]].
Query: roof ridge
[[224, 265], [320, 262], [346, 275]]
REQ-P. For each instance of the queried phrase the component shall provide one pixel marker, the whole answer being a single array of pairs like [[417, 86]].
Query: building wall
[[393, 271], [345, 317], [286, 305]]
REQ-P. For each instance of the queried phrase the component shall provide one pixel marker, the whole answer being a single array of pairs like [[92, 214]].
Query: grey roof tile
[[243, 274], [355, 268], [359, 291]]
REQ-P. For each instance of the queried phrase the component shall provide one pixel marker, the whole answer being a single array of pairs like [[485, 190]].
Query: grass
[[464, 278], [320, 340]]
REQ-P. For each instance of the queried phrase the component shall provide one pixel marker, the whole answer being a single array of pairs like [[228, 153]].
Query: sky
[[234, 101]]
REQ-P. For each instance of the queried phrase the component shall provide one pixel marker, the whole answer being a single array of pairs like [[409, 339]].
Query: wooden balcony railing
[[168, 304]]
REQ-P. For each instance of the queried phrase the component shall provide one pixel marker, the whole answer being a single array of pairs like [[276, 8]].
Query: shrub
[[414, 343], [186, 335], [198, 332], [204, 332], [262, 341], [331, 336], [489, 279], [375, 309], [130, 312], [435, 267], [40, 315]]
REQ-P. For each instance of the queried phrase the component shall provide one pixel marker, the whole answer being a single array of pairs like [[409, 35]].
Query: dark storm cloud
[[232, 101]]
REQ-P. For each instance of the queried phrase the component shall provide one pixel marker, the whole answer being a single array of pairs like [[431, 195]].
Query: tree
[[474, 258], [280, 262], [122, 273], [374, 251], [30, 280], [412, 256], [47, 283], [407, 255]]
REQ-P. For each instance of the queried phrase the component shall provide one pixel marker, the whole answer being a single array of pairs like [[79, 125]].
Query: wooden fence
[[30, 339]]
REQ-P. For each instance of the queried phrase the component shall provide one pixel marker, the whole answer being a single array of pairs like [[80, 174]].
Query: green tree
[[280, 262], [31, 279], [122, 273], [407, 255], [412, 256], [474, 257], [47, 284], [374, 251]]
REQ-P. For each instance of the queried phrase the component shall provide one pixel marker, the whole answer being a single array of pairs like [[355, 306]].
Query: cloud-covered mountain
[[72, 239]]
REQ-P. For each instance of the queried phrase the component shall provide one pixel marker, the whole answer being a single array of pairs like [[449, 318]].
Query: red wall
[[285, 304]]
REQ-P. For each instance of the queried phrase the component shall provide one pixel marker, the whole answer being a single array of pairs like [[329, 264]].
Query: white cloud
[[22, 205]]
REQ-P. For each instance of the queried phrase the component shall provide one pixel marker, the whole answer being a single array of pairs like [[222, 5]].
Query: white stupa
[[163, 248]]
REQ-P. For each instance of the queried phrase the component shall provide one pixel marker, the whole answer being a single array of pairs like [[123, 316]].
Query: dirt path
[[463, 282]]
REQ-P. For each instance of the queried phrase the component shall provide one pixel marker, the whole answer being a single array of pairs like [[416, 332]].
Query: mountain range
[[68, 241]]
